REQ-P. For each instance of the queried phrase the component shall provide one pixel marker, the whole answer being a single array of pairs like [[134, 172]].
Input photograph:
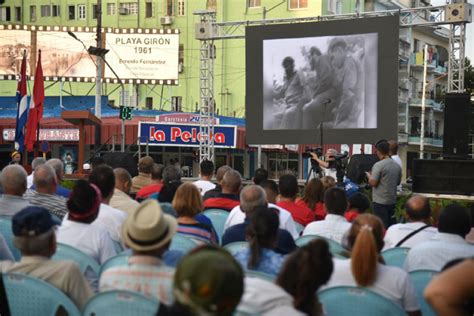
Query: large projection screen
[[340, 77], [12, 45]]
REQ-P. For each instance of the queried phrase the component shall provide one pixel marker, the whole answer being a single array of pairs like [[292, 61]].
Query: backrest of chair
[[218, 219], [121, 303], [6, 231], [168, 208], [182, 243], [395, 256], [66, 252], [233, 247], [260, 275], [31, 296], [350, 301], [420, 279], [336, 249], [116, 261], [299, 228]]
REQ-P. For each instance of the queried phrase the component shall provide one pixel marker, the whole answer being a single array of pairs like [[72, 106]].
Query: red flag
[[36, 106]]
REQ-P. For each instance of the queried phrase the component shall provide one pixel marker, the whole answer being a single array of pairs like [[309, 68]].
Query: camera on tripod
[[318, 151]]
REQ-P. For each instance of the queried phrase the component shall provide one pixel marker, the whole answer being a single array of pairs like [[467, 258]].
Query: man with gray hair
[[121, 200], [251, 198], [221, 171], [58, 167], [229, 198], [45, 194], [14, 186], [38, 161]]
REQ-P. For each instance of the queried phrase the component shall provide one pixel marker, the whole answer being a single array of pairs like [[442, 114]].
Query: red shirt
[[318, 211], [148, 190], [301, 214], [223, 201], [351, 215]]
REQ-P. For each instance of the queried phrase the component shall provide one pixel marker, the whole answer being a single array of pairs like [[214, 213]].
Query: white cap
[[86, 166]]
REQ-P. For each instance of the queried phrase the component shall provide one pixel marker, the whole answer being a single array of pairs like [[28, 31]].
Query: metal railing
[[110, 147]]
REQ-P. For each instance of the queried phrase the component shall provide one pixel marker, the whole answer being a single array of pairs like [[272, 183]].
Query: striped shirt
[[200, 232], [55, 204]]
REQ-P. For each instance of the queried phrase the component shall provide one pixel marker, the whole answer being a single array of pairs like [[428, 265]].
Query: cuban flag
[[22, 107], [36, 106]]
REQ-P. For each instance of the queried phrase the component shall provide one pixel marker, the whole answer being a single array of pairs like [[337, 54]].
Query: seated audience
[[328, 182], [110, 218], [33, 230], [229, 197], [38, 161], [416, 230], [204, 184], [152, 190], [148, 232], [121, 199], [452, 291], [208, 281], [334, 226], [262, 234], [58, 167], [187, 203], [448, 244], [288, 185], [252, 197], [145, 165], [218, 189], [304, 272], [260, 175], [313, 198], [358, 204], [171, 182], [237, 215], [45, 195], [365, 269], [14, 186]]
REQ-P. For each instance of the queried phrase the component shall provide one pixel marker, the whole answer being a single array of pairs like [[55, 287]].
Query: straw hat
[[148, 228]]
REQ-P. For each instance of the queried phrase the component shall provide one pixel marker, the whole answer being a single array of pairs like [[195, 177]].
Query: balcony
[[433, 141], [433, 66]]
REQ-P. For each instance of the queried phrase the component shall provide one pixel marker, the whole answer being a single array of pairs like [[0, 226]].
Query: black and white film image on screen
[[329, 80]]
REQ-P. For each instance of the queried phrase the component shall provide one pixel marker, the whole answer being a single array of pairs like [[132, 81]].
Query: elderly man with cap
[[145, 166], [13, 180], [148, 232], [33, 230]]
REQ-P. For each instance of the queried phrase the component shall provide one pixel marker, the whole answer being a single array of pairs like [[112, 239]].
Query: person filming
[[328, 165]]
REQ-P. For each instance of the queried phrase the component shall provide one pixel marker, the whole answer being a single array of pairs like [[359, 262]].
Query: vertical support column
[[457, 41]]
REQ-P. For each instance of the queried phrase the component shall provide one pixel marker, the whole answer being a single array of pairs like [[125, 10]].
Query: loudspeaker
[[358, 165], [122, 160], [456, 126], [443, 176]]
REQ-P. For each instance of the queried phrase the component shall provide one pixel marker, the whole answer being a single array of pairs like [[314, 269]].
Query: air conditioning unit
[[459, 12], [123, 11], [166, 20]]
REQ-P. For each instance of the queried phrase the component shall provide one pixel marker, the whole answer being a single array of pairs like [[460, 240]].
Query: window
[[149, 103], [55, 10], [94, 11], [110, 8], [5, 14], [45, 10], [181, 10], [338, 6], [129, 8], [169, 7], [71, 12], [149, 10], [32, 13], [299, 4], [332, 6], [254, 3], [281, 163], [81, 11], [18, 14], [181, 54]]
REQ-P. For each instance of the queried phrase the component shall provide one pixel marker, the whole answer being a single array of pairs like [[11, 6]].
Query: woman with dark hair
[[365, 267], [358, 204], [262, 237], [313, 198], [305, 270], [188, 205], [171, 183]]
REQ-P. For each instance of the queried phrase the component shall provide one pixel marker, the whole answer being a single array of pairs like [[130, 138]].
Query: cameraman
[[328, 165]]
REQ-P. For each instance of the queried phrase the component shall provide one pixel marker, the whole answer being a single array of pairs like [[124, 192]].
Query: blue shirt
[[270, 261], [285, 242]]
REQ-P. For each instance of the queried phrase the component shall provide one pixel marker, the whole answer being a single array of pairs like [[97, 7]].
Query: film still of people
[[329, 80]]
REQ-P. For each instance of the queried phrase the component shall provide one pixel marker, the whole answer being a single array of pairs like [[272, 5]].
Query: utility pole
[[98, 79]]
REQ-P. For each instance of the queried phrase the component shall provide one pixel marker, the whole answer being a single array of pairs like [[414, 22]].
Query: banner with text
[[162, 134], [143, 56]]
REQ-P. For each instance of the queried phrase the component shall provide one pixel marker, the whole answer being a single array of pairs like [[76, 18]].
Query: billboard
[[143, 56], [163, 134], [12, 45], [337, 79]]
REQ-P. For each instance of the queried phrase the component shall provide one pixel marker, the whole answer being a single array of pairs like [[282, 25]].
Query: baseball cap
[[32, 221]]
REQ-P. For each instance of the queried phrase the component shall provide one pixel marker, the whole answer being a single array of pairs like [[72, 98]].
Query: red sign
[[67, 134]]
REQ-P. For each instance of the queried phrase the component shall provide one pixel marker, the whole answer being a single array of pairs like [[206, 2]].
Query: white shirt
[[397, 159], [262, 297], [435, 253], [236, 216], [333, 227], [397, 232], [111, 220], [391, 282], [204, 186], [29, 180]]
